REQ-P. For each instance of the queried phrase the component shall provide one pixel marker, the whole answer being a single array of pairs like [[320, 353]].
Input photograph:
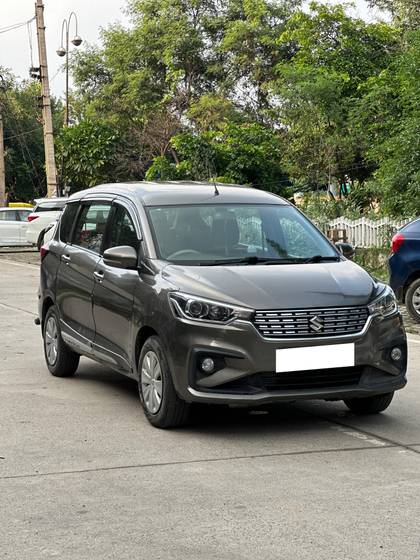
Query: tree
[[88, 152], [404, 12], [23, 140], [315, 91]]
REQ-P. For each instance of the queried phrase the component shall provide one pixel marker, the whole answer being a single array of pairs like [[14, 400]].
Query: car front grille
[[315, 379], [303, 323]]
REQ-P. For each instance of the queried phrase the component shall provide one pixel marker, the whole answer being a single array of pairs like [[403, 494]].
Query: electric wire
[[15, 26]]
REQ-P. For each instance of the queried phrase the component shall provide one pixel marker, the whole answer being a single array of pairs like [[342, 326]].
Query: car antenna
[[216, 190]]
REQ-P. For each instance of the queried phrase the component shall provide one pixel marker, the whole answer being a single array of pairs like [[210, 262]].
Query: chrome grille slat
[[297, 322]]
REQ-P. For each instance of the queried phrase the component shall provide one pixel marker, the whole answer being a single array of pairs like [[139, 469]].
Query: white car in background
[[13, 226], [46, 211]]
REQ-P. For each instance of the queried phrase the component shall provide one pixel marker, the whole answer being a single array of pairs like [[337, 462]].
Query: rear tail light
[[32, 217], [45, 249], [397, 242]]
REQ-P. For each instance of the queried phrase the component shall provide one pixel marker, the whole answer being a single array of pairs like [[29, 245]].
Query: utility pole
[[51, 171], [2, 168]]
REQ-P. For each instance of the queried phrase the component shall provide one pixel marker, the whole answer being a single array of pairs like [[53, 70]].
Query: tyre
[[161, 404], [40, 241], [370, 405], [412, 300], [61, 361]]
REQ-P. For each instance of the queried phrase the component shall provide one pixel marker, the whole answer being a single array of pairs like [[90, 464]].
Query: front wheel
[[412, 300], [61, 361], [161, 404], [370, 405]]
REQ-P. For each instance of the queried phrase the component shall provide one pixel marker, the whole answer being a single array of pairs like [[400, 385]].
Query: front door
[[75, 279], [113, 294]]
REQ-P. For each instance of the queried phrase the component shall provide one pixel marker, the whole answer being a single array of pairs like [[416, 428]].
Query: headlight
[[386, 304], [199, 309]]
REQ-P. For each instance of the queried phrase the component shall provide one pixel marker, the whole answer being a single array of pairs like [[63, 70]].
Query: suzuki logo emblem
[[316, 324]]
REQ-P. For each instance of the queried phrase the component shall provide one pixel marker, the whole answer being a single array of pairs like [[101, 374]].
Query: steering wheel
[[183, 252]]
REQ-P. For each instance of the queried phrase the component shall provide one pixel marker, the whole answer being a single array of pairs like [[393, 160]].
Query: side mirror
[[121, 257], [346, 249]]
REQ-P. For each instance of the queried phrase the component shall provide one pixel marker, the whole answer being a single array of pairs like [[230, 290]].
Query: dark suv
[[215, 294], [404, 267]]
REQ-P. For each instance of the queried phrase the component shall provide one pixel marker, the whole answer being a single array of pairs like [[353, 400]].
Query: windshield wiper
[[320, 258], [252, 259]]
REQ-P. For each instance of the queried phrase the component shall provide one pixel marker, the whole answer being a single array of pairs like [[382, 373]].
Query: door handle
[[66, 259], [99, 275]]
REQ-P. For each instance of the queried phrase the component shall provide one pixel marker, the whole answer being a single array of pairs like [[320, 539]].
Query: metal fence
[[365, 232]]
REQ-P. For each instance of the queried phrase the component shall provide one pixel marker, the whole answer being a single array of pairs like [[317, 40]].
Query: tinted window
[[413, 227], [90, 226], [226, 232], [67, 221], [23, 215], [122, 230], [8, 215]]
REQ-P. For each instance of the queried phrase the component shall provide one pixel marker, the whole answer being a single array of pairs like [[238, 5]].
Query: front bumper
[[245, 363]]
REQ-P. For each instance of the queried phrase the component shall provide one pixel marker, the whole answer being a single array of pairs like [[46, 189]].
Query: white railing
[[365, 232]]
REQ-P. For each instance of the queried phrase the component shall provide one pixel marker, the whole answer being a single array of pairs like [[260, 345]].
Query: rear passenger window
[[90, 226], [67, 221]]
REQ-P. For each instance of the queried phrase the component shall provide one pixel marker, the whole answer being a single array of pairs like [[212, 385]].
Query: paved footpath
[[83, 476]]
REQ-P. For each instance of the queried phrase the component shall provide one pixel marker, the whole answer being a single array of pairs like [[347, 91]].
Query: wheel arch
[[144, 333], [46, 304], [412, 278]]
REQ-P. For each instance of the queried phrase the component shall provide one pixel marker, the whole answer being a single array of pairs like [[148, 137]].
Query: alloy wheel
[[151, 382], [51, 341], [416, 301]]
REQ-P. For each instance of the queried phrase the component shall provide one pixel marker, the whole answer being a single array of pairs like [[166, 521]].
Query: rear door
[[75, 278], [113, 294]]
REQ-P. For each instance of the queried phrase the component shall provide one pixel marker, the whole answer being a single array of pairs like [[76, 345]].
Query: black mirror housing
[[346, 249], [123, 256]]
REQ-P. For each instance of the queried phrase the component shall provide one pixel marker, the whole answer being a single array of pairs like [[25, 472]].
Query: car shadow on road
[[223, 420]]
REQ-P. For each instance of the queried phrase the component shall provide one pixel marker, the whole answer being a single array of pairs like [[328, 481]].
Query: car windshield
[[237, 234]]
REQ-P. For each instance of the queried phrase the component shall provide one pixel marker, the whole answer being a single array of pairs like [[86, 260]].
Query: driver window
[[122, 231]]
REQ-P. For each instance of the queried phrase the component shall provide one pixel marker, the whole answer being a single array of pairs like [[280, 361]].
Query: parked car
[[13, 224], [46, 210], [404, 267], [224, 295]]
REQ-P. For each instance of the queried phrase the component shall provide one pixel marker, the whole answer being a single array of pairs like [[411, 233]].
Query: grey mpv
[[218, 295]]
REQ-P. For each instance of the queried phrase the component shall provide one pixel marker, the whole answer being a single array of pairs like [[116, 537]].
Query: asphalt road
[[83, 475]]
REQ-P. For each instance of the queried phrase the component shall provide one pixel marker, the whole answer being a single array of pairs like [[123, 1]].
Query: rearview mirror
[[121, 257], [346, 249]]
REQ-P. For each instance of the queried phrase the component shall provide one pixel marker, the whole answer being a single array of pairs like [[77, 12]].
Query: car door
[[22, 216], [75, 278], [10, 226], [113, 293]]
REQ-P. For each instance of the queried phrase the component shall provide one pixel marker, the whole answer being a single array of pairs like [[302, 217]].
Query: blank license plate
[[315, 357]]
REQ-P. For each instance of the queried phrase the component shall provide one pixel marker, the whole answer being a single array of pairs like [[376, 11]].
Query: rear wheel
[[61, 361], [412, 300], [370, 405], [161, 404]]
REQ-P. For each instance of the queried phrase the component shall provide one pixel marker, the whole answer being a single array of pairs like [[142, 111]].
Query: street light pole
[[64, 51]]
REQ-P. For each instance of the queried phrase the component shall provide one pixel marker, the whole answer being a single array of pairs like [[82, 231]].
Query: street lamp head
[[61, 51], [77, 41]]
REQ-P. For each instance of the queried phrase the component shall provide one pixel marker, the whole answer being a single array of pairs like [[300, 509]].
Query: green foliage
[[23, 139], [88, 153]]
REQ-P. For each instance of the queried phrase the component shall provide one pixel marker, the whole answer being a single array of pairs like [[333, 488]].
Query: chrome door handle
[[66, 259], [99, 275]]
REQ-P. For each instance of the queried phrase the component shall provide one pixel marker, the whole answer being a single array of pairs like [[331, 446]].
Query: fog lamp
[[396, 354], [207, 365]]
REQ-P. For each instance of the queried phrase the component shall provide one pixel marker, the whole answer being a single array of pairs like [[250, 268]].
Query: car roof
[[169, 193]]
